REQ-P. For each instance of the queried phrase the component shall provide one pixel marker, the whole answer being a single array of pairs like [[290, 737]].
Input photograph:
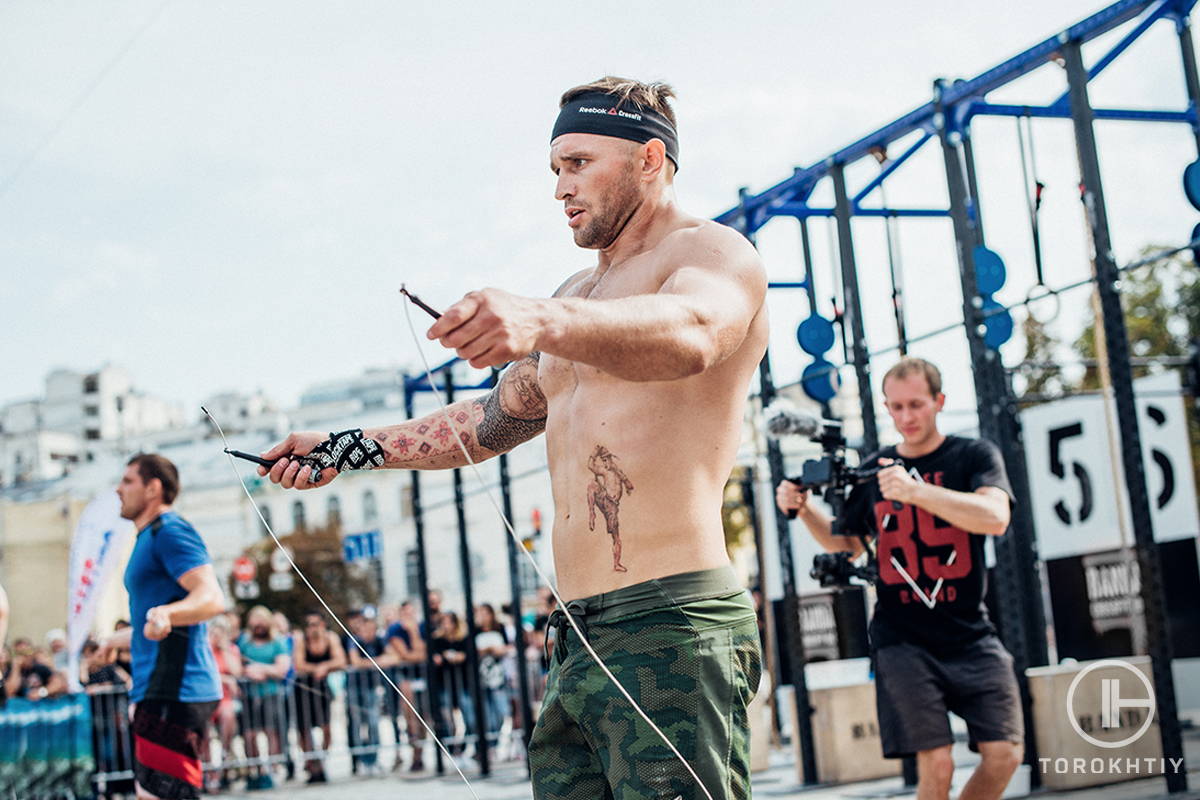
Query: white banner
[[95, 549], [1071, 473]]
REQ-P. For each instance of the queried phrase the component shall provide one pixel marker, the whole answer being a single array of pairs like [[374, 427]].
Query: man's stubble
[[612, 214]]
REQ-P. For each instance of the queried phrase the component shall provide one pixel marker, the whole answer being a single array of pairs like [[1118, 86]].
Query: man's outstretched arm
[[512, 413], [699, 317]]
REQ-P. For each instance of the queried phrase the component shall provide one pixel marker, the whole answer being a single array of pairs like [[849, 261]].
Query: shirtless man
[[643, 360]]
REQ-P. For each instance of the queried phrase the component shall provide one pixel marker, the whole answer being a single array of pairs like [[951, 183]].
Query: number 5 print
[[1057, 436]]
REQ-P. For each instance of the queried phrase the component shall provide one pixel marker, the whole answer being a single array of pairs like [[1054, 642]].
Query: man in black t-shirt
[[935, 649]]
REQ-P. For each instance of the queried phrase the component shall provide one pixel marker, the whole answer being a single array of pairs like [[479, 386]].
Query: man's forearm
[[121, 639], [512, 413], [640, 338], [429, 442], [969, 511], [199, 605], [821, 528]]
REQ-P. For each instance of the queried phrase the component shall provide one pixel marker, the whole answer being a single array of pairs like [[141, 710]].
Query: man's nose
[[564, 188]]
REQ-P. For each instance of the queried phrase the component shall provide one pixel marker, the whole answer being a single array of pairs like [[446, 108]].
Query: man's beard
[[607, 223], [260, 632]]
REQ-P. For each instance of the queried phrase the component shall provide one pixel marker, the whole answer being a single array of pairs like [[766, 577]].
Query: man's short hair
[[911, 365], [152, 465], [655, 96]]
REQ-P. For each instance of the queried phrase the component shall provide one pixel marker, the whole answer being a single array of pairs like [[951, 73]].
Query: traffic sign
[[361, 546], [281, 561], [281, 581], [244, 569], [246, 590]]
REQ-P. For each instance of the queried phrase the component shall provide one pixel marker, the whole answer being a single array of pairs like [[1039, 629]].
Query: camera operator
[[934, 649]]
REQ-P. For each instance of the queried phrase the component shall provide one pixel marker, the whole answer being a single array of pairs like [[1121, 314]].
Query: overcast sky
[[227, 196]]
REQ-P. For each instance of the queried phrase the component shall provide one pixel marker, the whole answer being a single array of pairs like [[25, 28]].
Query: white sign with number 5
[[1071, 473]]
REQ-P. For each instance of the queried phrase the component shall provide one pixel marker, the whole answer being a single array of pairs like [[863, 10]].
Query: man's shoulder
[[171, 522], [705, 237], [960, 445], [872, 459]]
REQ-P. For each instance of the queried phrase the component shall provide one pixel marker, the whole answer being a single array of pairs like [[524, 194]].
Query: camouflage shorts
[[686, 648]]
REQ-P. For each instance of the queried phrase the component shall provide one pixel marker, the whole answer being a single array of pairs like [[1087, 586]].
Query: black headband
[[602, 114]]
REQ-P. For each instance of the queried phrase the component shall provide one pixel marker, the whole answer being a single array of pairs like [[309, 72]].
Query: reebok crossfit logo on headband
[[601, 114], [617, 111]]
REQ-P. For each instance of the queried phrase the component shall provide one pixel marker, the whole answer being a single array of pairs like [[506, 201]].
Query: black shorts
[[166, 746], [914, 690]]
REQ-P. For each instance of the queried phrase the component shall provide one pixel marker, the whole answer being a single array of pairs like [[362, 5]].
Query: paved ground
[[780, 782]]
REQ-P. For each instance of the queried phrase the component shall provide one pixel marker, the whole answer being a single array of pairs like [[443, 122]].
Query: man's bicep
[[728, 293], [999, 497], [515, 410], [199, 577], [725, 295]]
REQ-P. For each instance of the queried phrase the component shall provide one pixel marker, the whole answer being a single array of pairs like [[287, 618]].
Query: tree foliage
[[1161, 302], [1041, 372], [1162, 313], [317, 551], [735, 516]]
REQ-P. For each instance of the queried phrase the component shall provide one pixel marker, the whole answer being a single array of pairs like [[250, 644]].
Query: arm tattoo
[[515, 411], [428, 442]]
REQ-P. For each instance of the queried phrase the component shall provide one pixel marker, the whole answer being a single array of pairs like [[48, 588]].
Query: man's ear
[[654, 158]]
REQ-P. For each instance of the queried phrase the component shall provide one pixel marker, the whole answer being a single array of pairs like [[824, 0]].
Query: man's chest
[[560, 378], [143, 568]]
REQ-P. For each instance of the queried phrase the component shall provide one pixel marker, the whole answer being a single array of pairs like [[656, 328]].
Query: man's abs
[[638, 471]]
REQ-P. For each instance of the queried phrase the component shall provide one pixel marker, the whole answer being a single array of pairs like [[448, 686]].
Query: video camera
[[832, 478], [830, 474], [836, 569]]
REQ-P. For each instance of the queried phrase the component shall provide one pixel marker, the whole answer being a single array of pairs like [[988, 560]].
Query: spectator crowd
[[296, 691]]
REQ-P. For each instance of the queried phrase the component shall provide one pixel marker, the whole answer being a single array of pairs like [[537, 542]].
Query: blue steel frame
[[947, 118], [962, 101]]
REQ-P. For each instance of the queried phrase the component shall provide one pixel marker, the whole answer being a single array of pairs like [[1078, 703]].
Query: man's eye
[[579, 162]]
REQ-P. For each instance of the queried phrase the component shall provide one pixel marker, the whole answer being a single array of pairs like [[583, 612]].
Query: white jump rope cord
[[512, 532], [329, 610], [537, 567]]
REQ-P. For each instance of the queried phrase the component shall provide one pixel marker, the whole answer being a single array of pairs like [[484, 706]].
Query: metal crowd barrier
[[45, 748], [273, 726]]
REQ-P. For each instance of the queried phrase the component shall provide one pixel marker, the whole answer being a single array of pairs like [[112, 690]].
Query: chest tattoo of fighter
[[609, 484]]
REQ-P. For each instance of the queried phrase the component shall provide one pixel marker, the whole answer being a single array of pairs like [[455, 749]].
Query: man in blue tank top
[[172, 592]]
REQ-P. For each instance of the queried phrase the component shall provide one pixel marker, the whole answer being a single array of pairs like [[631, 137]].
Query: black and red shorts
[[167, 736]]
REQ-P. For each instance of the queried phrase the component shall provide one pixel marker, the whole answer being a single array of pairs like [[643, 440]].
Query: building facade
[[63, 466]]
